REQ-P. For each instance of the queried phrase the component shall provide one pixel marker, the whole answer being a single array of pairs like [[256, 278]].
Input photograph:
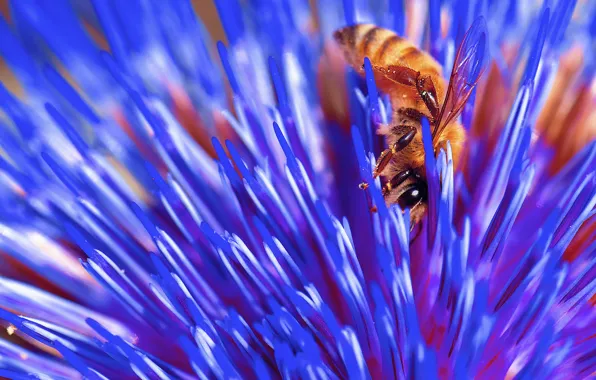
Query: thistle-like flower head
[[155, 225]]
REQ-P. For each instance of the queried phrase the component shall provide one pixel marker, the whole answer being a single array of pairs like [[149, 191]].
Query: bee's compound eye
[[412, 196]]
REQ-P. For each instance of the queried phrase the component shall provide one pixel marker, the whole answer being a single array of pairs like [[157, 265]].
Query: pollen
[[11, 329]]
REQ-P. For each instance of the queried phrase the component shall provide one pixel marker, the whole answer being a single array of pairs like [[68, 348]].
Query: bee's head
[[412, 194]]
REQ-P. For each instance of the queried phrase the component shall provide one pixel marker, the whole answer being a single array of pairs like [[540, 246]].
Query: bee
[[414, 82]]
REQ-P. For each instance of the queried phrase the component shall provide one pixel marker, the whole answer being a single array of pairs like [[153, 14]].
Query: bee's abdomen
[[367, 40], [383, 47]]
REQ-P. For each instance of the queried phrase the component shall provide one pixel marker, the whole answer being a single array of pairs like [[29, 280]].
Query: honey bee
[[414, 82]]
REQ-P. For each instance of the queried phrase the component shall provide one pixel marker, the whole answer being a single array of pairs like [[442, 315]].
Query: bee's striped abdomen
[[383, 47], [390, 44], [367, 40]]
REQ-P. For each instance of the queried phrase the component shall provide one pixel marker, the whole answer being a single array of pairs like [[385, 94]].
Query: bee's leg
[[428, 93], [409, 77], [397, 180], [399, 74], [382, 162], [387, 154]]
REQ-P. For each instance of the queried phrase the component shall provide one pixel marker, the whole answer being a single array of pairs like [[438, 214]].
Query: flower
[[131, 249]]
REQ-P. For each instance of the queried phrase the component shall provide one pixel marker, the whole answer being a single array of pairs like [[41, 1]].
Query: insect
[[416, 87]]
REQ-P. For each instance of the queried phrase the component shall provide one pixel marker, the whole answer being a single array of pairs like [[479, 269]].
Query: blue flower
[[153, 227]]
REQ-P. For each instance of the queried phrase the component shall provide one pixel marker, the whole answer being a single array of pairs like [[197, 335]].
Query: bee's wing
[[469, 63]]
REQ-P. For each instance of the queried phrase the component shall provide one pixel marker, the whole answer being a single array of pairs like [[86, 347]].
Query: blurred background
[[204, 8]]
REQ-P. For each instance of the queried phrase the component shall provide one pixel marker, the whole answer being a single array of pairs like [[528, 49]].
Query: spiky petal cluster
[[128, 251]]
